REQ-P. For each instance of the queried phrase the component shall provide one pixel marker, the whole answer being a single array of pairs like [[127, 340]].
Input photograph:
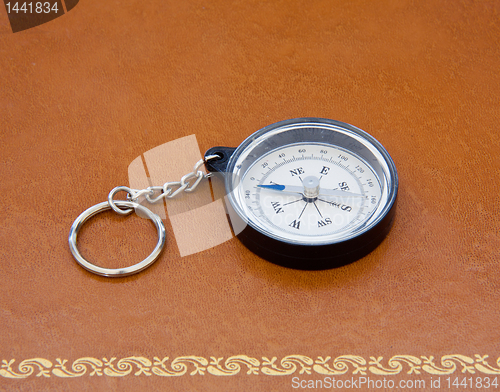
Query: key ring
[[116, 272], [124, 207]]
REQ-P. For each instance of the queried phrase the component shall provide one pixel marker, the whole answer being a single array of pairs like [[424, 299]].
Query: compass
[[308, 193]]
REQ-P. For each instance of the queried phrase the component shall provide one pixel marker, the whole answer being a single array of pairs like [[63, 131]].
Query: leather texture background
[[85, 94]]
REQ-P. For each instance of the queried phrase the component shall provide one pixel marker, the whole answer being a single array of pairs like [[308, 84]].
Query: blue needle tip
[[273, 186]]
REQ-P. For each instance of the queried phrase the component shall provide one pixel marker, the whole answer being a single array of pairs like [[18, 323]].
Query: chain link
[[168, 190]]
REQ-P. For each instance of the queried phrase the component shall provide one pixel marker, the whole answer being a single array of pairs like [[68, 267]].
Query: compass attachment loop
[[112, 203]]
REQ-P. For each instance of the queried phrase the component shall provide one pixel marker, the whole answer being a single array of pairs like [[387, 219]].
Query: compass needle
[[300, 189]]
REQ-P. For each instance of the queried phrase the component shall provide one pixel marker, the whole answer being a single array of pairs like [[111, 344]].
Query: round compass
[[309, 193]]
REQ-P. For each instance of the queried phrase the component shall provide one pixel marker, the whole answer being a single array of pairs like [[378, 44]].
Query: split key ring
[[116, 272]]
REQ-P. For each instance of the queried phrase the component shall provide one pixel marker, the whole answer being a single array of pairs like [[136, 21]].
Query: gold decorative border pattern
[[291, 364]]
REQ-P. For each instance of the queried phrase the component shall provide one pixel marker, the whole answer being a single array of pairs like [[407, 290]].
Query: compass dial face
[[312, 184], [316, 215]]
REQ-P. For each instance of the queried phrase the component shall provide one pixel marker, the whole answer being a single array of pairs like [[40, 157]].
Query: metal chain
[[168, 190]]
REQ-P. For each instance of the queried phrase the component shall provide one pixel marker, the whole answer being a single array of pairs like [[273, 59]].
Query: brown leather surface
[[85, 94]]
